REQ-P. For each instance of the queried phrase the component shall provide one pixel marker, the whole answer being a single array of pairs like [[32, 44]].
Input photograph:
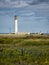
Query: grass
[[24, 51]]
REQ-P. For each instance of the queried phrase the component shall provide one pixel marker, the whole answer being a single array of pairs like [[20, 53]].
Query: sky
[[33, 15]]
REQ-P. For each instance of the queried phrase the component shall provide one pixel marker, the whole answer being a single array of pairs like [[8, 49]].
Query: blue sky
[[33, 15]]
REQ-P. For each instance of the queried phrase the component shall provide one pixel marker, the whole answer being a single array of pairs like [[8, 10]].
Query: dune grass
[[20, 51]]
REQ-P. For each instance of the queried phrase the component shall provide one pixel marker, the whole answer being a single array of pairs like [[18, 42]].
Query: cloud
[[24, 7], [20, 3], [35, 2], [7, 13], [12, 3]]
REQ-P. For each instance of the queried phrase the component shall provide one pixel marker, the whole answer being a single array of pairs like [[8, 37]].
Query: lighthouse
[[16, 24]]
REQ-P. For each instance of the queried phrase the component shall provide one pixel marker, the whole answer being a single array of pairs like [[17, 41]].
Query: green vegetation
[[24, 51]]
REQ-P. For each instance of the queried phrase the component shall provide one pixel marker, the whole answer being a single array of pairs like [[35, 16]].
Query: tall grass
[[21, 51]]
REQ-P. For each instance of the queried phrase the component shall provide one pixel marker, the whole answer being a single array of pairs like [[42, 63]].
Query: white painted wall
[[16, 26]]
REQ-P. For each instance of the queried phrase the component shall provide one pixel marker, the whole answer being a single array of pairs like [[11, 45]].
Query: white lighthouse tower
[[16, 24]]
